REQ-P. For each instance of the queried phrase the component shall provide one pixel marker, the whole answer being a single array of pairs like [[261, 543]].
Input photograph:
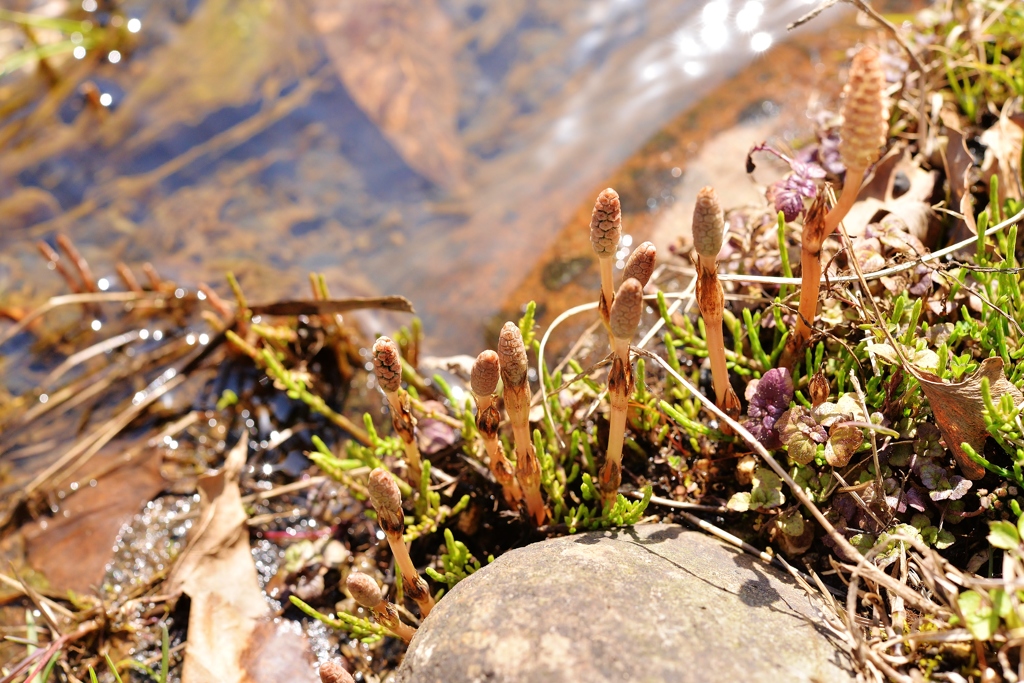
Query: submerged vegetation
[[879, 445]]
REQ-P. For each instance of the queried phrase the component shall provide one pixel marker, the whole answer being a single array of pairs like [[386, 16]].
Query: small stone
[[649, 603]]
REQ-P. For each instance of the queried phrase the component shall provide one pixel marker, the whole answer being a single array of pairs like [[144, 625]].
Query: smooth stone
[[641, 604]]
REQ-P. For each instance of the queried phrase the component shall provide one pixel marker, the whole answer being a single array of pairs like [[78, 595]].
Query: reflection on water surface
[[433, 149]]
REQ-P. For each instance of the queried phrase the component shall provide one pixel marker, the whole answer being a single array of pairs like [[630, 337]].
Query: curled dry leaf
[[959, 409], [232, 637]]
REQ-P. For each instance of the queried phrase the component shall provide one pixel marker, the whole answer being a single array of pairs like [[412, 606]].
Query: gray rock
[[645, 604]]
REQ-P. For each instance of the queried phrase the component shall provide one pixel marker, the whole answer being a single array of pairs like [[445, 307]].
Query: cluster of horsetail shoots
[[387, 366], [862, 135], [623, 320], [483, 383], [386, 499], [515, 378], [605, 232], [708, 235], [366, 592]]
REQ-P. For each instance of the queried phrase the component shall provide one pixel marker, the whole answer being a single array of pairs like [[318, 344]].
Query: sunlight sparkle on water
[[715, 36], [96, 325], [134, 25], [114, 57], [715, 12], [103, 283], [686, 45], [653, 71], [79, 52], [693, 69], [760, 41], [749, 17], [106, 99]]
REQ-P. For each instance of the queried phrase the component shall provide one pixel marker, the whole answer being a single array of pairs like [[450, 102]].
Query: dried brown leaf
[[958, 408], [876, 200], [230, 637], [397, 60], [1003, 142]]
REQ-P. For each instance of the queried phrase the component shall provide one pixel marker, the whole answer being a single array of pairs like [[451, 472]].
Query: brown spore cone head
[[484, 378], [606, 224], [384, 493], [708, 224], [387, 364], [627, 309], [640, 264], [334, 672], [512, 355], [364, 590], [865, 114]]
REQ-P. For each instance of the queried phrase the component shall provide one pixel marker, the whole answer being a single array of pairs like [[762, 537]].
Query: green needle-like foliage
[[363, 629]]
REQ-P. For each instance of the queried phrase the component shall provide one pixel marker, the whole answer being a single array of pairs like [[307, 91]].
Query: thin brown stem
[[851, 188], [810, 267], [528, 468], [487, 421], [619, 388], [414, 585], [405, 425]]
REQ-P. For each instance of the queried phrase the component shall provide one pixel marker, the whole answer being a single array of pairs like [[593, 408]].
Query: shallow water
[[431, 149]]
